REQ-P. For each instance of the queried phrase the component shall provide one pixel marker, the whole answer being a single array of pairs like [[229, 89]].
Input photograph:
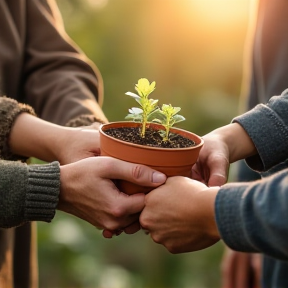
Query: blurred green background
[[193, 49]]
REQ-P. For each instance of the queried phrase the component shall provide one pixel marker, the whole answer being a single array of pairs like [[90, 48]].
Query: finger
[[218, 174], [242, 270], [256, 263], [108, 234], [228, 269], [217, 180], [195, 174], [131, 204], [135, 173], [133, 228]]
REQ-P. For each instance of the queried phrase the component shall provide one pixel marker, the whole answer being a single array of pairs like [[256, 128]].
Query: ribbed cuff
[[43, 192], [228, 216], [269, 135], [9, 110]]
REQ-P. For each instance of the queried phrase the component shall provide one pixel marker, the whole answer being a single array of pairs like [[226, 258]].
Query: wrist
[[63, 138], [65, 180], [211, 195]]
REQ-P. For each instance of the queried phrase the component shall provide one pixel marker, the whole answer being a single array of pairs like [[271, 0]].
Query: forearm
[[31, 136], [259, 136]]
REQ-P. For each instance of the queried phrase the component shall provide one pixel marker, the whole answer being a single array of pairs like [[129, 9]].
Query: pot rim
[[150, 147]]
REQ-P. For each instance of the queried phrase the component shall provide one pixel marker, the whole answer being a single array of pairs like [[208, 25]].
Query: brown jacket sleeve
[[60, 82]]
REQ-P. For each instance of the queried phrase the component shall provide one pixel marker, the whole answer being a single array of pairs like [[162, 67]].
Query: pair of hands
[[180, 214], [185, 219], [87, 190]]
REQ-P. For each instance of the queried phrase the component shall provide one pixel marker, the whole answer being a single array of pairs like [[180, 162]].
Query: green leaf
[[157, 113], [144, 88], [135, 110], [153, 102], [134, 117], [178, 118], [166, 116], [176, 110], [157, 121], [132, 95]]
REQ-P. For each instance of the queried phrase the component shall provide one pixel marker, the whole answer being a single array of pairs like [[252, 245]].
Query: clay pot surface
[[170, 161]]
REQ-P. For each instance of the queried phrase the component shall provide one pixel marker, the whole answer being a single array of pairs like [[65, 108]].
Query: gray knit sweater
[[27, 192], [253, 216]]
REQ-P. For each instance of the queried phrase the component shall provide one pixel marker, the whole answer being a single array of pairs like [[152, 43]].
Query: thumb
[[218, 176], [131, 172]]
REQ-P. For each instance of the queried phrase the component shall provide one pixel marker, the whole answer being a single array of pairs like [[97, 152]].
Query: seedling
[[148, 106], [167, 116], [149, 112]]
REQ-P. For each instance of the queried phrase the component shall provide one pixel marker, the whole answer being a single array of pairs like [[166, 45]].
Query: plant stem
[[167, 128], [143, 126]]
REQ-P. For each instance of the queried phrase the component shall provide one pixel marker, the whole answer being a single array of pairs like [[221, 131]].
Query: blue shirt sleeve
[[267, 126], [253, 216]]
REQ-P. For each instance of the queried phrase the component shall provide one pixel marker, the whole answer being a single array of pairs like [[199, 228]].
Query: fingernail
[[158, 177]]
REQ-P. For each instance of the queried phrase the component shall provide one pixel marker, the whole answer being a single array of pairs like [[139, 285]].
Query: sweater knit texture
[[252, 216], [9, 110], [27, 192]]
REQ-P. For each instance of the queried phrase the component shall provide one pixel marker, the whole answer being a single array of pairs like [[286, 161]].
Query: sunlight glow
[[222, 11], [97, 4]]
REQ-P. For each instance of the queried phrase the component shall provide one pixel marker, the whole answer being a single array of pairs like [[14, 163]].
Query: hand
[[221, 147], [78, 143], [213, 162], [240, 270], [88, 191], [180, 215]]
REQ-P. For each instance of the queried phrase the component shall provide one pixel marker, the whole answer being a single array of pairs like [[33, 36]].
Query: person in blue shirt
[[186, 214]]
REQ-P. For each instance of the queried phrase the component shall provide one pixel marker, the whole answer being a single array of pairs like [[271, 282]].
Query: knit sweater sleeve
[[28, 192], [252, 216], [267, 126], [9, 110]]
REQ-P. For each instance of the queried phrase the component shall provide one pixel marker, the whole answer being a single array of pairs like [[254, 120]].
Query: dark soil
[[152, 137]]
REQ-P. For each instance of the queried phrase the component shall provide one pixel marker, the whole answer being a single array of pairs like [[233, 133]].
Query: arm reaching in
[[31, 136], [84, 188]]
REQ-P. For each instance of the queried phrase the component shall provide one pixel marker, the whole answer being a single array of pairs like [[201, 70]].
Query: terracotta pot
[[170, 161]]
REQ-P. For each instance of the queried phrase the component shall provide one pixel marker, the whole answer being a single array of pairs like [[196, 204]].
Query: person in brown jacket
[[41, 66], [82, 185]]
